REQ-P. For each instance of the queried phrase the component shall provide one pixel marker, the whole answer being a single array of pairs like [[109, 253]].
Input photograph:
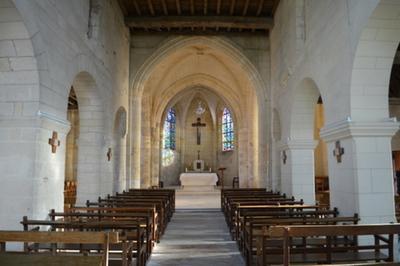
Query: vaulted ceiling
[[199, 16]]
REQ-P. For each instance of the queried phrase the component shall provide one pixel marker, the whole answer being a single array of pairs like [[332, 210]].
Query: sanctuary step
[[198, 188]]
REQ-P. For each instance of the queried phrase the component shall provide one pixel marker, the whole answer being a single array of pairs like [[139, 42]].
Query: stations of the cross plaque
[[198, 125]]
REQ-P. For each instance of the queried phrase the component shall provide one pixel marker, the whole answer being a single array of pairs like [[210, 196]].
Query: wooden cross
[[284, 157], [109, 154], [198, 125], [54, 142], [338, 152]]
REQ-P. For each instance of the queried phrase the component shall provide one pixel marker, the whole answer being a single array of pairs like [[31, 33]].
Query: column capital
[[348, 129], [297, 144]]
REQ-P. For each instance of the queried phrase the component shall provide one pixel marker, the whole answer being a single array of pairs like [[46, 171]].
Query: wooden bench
[[253, 227], [326, 244], [145, 217], [11, 258], [132, 236], [121, 203]]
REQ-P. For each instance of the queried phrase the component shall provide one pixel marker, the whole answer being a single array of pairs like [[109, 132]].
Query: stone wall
[[43, 47], [345, 48]]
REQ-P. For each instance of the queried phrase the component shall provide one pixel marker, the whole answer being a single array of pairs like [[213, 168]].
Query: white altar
[[198, 180]]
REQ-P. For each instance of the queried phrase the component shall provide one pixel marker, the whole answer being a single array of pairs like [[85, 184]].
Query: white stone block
[[23, 47], [13, 30], [23, 63], [6, 49], [8, 14], [6, 109], [4, 65]]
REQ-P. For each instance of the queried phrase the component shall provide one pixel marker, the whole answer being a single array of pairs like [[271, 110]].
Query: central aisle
[[196, 236]]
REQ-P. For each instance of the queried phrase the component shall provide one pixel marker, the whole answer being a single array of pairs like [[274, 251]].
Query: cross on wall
[[54, 142], [338, 152], [198, 125]]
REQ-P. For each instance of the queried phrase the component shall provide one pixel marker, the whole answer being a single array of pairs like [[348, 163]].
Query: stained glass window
[[170, 130], [169, 138], [228, 133]]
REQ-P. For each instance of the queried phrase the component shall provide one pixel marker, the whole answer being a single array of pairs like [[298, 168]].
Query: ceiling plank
[[164, 6], [192, 7], [232, 8], [245, 8], [238, 22], [205, 7], [260, 7], [137, 8], [218, 11], [151, 7], [178, 7]]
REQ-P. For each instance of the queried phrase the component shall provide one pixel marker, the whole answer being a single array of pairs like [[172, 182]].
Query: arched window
[[169, 138], [170, 130], [228, 133]]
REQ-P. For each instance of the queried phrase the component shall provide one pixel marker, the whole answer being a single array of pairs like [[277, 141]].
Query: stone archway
[[91, 155], [217, 50], [298, 171]]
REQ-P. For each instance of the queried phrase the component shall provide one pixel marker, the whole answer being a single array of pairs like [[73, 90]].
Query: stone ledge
[[347, 129]]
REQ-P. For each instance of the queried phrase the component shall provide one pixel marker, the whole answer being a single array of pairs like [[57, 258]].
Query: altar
[[198, 179]]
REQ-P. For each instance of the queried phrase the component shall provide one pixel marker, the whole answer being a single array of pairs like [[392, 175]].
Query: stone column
[[135, 136], [298, 170], [363, 181]]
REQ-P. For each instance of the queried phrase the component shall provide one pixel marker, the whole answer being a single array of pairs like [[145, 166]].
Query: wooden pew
[[104, 239], [253, 227], [278, 211], [132, 235], [147, 215], [120, 203], [169, 192], [336, 244]]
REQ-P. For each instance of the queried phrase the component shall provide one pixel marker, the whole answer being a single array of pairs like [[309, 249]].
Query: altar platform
[[198, 181]]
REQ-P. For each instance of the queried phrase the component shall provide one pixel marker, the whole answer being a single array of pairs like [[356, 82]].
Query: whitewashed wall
[[43, 47]]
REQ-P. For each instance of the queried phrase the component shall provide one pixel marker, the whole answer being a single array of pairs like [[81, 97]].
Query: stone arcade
[[296, 96]]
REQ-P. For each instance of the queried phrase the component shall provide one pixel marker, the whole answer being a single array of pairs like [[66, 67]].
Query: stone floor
[[197, 234]]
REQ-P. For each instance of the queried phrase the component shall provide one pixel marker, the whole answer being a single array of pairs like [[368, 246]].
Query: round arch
[[91, 153]]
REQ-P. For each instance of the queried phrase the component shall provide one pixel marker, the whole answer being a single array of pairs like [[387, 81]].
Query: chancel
[[133, 109]]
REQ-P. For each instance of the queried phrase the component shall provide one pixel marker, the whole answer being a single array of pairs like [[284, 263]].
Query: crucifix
[[284, 157], [338, 152], [109, 154], [198, 125], [54, 142]]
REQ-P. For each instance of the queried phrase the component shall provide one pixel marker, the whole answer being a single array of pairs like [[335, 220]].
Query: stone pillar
[[136, 135], [363, 181], [298, 171]]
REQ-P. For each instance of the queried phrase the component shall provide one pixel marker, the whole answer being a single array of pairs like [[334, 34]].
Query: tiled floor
[[197, 234]]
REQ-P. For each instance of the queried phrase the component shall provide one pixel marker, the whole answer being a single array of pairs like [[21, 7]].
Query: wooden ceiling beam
[[260, 7], [218, 7], [238, 22], [232, 8], [137, 8], [151, 7], [192, 7], [245, 8], [205, 7], [178, 7], [164, 6]]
